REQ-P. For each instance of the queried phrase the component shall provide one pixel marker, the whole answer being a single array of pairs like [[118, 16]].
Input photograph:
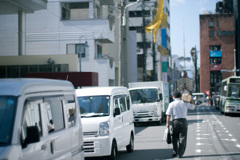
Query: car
[[40, 119], [200, 98], [107, 119]]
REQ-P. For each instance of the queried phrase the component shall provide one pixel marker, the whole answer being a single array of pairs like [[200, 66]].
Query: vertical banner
[[164, 37]]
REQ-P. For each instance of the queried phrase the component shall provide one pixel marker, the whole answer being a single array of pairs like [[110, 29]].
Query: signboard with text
[[215, 67], [215, 53]]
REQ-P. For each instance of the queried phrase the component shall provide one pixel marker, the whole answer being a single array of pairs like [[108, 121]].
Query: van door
[[118, 119], [125, 120], [74, 126], [58, 135], [33, 117]]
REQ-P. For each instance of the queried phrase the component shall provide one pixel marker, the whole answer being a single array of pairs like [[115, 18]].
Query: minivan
[[200, 97], [107, 119], [39, 119]]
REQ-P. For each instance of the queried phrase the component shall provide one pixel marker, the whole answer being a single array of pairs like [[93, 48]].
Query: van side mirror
[[116, 112], [160, 96], [32, 135]]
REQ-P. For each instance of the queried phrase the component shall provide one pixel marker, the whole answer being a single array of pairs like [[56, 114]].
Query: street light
[[124, 12], [80, 51]]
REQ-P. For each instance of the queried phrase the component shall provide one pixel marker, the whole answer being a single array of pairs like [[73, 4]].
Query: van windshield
[[94, 106], [144, 96], [7, 115]]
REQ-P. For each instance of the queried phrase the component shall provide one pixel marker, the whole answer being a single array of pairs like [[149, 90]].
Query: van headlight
[[104, 128]]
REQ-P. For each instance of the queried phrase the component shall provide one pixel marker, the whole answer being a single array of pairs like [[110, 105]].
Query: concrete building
[[217, 43], [67, 36], [136, 21]]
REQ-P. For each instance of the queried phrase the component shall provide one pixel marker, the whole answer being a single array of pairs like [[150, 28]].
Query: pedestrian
[[211, 100], [177, 111], [207, 101], [195, 100]]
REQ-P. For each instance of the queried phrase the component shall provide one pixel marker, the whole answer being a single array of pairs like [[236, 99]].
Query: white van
[[107, 119], [39, 119], [200, 97]]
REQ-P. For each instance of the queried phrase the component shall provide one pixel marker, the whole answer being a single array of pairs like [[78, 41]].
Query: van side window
[[31, 117], [123, 104], [115, 100], [128, 103], [55, 113], [70, 105]]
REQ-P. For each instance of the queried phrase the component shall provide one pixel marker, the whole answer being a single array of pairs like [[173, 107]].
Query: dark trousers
[[179, 135]]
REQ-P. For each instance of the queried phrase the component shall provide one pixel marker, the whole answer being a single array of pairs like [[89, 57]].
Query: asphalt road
[[211, 136]]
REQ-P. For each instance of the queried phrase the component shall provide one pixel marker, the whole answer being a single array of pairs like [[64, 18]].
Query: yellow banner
[[160, 20], [162, 50]]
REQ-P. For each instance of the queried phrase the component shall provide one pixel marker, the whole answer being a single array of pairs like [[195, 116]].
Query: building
[[152, 64], [217, 44], [236, 8], [67, 36]]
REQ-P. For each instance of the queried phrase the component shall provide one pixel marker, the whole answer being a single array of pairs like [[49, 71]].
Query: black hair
[[177, 94]]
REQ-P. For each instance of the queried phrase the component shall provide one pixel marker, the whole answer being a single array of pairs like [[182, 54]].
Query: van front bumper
[[147, 119], [97, 146]]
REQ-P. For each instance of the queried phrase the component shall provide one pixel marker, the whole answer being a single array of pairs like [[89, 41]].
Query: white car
[[200, 98], [39, 119], [107, 119]]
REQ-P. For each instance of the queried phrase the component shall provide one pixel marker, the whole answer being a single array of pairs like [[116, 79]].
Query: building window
[[140, 60], [215, 48], [137, 28], [215, 77], [217, 23], [20, 71], [99, 51], [139, 13], [75, 11], [147, 44], [211, 24], [215, 60], [211, 33]]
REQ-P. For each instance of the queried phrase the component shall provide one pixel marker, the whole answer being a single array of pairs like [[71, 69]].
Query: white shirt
[[178, 109]]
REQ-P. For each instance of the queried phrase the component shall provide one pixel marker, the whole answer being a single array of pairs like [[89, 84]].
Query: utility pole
[[154, 55], [195, 65], [194, 58], [144, 41]]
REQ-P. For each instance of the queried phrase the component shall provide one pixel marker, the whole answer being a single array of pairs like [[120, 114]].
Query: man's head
[[177, 94]]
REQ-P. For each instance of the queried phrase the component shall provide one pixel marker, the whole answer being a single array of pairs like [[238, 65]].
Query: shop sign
[[215, 53], [215, 67]]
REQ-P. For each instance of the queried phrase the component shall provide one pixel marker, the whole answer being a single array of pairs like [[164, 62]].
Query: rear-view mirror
[[116, 112], [160, 96], [32, 135]]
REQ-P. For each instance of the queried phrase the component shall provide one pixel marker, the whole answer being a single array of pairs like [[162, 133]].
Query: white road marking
[[233, 140], [198, 150]]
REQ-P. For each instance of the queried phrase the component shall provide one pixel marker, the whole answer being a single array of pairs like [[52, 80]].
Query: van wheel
[[113, 155], [130, 147]]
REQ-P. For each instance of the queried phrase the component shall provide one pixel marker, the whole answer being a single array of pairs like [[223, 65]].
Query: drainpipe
[[21, 33]]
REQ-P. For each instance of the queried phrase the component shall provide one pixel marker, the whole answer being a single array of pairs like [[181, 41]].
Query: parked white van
[[39, 119], [107, 119]]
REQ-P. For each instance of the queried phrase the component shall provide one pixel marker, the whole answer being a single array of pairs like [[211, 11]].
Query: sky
[[184, 24]]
